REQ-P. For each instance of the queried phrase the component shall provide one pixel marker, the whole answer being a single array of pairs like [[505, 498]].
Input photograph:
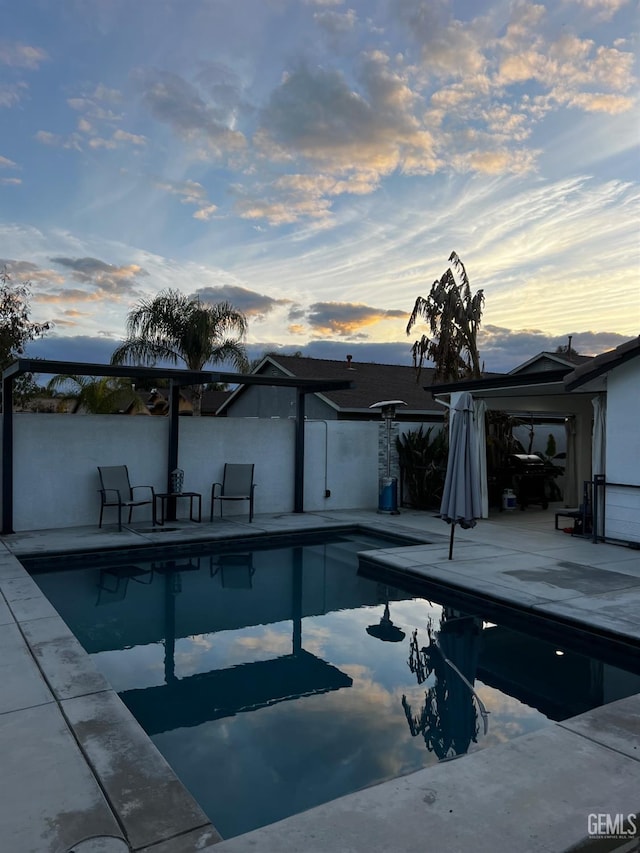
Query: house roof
[[545, 382], [602, 364], [371, 382], [212, 400], [541, 382], [560, 359]]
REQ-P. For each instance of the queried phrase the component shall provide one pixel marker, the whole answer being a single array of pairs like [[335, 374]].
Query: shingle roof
[[561, 358], [603, 363], [373, 382], [572, 358]]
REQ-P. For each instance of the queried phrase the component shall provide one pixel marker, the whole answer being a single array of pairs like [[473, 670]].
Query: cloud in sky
[[198, 118], [26, 271], [604, 9], [345, 319], [317, 162], [189, 192], [12, 93], [106, 277], [501, 349], [5, 163], [16, 54], [256, 306]]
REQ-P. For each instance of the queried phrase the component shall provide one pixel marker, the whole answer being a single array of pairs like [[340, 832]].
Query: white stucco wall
[[341, 456], [622, 514], [56, 458]]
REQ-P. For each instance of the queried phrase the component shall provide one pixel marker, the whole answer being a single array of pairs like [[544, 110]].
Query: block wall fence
[[56, 458]]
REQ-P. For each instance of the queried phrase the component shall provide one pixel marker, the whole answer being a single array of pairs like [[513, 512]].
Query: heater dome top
[[384, 403]]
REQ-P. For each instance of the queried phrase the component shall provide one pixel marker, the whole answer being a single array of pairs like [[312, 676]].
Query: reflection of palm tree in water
[[448, 720]]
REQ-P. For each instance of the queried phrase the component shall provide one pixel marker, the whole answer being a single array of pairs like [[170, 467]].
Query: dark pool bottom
[[273, 676]]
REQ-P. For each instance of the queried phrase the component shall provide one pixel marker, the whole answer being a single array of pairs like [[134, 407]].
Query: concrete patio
[[80, 774]]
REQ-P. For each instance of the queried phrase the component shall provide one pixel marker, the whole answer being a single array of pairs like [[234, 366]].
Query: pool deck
[[78, 773]]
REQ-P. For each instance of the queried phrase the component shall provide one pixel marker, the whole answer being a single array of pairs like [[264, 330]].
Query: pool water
[[274, 677]]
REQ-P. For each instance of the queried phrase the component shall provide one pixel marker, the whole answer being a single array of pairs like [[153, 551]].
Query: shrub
[[423, 462]]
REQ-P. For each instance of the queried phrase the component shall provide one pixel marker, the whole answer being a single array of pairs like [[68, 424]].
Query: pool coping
[[95, 716], [125, 764]]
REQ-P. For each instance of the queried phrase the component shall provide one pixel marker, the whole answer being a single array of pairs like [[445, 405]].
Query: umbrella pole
[[453, 527]]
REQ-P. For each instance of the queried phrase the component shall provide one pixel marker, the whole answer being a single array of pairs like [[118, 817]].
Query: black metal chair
[[236, 570], [237, 485], [114, 580], [117, 491], [583, 515]]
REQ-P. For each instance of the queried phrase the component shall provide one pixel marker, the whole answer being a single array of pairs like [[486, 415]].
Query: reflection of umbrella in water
[[386, 630], [461, 498], [448, 720]]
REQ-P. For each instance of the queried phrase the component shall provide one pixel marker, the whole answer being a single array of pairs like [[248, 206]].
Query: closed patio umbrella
[[461, 498]]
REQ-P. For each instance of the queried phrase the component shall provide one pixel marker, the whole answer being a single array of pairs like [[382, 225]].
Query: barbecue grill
[[529, 474]]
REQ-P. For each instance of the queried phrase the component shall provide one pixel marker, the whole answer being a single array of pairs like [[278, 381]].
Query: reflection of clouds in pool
[[205, 641], [222, 649], [140, 666], [276, 642], [292, 755], [295, 754], [413, 613], [509, 718]]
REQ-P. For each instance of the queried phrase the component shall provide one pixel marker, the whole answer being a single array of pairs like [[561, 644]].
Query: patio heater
[[388, 492]]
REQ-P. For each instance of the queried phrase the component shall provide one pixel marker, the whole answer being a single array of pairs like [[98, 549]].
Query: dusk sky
[[315, 162]]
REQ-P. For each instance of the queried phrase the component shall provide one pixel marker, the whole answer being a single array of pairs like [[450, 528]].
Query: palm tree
[[453, 314], [101, 395], [172, 327]]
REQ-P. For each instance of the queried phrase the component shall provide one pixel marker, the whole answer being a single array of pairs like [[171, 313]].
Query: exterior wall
[[542, 363], [622, 513], [55, 459], [341, 457], [262, 401]]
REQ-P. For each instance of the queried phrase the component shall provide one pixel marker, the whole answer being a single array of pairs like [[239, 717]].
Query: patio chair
[[583, 515], [237, 485], [116, 490], [236, 570], [114, 580]]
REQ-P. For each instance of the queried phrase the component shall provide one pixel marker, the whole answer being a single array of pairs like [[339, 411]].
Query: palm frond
[[229, 350], [420, 310], [177, 328], [453, 314], [141, 351]]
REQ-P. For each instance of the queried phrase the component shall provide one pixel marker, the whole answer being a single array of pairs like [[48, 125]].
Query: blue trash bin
[[388, 497]]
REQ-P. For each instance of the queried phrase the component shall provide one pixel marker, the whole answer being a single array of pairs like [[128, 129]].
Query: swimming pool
[[273, 676]]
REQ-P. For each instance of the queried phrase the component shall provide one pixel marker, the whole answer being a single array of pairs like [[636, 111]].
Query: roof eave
[[603, 364], [551, 378]]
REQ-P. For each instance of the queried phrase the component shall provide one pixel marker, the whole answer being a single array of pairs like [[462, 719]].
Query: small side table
[[163, 497]]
